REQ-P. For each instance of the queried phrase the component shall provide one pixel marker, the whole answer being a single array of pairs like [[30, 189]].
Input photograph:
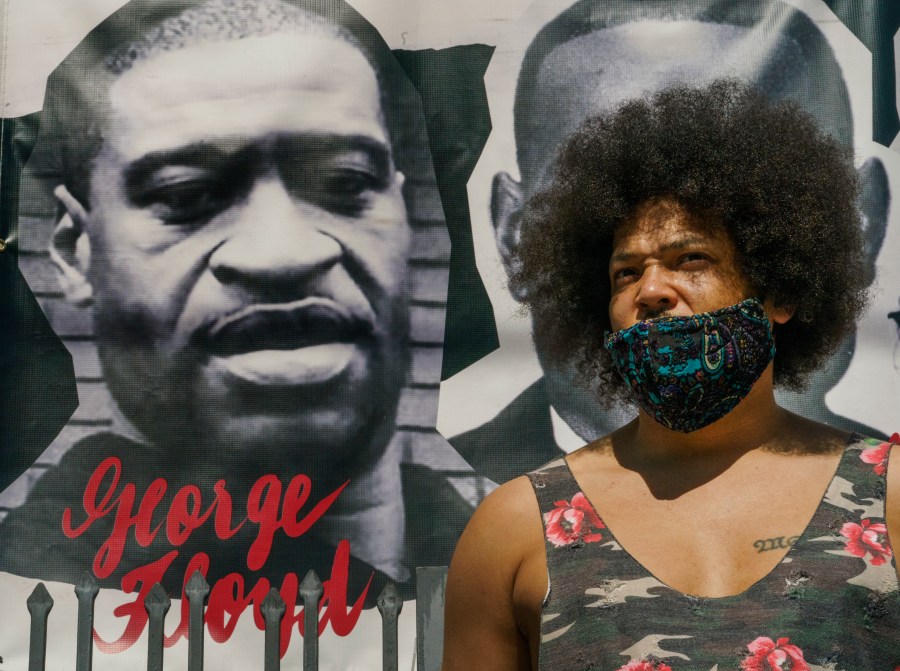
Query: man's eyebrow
[[672, 245], [369, 144], [212, 154], [198, 154], [293, 145]]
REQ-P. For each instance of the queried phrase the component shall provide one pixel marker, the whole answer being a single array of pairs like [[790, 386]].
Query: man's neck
[[754, 422], [672, 462]]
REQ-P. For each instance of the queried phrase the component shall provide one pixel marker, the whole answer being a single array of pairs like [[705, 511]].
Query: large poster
[[255, 311]]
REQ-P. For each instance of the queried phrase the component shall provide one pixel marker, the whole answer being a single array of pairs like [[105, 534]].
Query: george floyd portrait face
[[248, 242]]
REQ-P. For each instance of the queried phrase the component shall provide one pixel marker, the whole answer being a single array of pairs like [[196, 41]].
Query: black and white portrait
[[568, 61], [244, 245]]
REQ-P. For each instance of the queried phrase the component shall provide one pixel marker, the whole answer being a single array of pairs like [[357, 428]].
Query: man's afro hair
[[784, 191]]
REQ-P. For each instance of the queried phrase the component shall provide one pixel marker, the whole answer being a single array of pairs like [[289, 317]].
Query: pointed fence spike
[[273, 605], [311, 586], [157, 604], [389, 605], [272, 608], [39, 605], [87, 585], [196, 590], [157, 601], [86, 590], [389, 601], [40, 600], [311, 592], [197, 585]]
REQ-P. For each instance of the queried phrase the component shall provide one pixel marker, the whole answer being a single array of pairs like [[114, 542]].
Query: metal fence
[[429, 625]]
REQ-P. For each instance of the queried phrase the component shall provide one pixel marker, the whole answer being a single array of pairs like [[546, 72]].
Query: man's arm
[[496, 583]]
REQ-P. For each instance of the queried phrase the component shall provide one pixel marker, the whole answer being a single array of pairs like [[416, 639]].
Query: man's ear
[[70, 249], [874, 203], [506, 215], [781, 315]]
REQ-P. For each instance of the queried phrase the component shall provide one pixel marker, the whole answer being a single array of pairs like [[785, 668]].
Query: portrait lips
[[305, 342]]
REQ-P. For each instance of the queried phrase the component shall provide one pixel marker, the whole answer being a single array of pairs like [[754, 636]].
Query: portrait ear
[[874, 203], [70, 249], [507, 202]]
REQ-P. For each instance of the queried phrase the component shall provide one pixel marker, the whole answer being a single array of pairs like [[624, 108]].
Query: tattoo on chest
[[780, 543]]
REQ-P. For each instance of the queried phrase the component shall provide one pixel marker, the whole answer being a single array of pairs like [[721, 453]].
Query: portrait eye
[[185, 201], [351, 183], [334, 173], [343, 191]]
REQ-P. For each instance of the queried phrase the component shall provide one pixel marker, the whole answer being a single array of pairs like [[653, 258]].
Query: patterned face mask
[[687, 372]]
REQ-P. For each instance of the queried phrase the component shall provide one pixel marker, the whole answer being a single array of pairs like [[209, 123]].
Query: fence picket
[[431, 583], [196, 590], [157, 604], [86, 589], [39, 604], [272, 608], [389, 605], [310, 593]]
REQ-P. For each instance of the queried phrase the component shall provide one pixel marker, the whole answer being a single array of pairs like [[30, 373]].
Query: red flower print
[[866, 537], [769, 655], [569, 522], [644, 665], [877, 455]]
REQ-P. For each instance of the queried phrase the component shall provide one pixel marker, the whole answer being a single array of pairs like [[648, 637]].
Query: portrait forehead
[[325, 35], [636, 57], [241, 90], [595, 70]]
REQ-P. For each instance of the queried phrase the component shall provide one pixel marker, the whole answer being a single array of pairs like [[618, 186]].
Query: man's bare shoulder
[[502, 542], [512, 505], [491, 574]]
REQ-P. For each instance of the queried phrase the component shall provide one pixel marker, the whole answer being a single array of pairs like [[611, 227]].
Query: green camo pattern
[[833, 603]]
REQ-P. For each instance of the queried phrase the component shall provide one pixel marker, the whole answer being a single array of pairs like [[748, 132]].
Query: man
[[672, 256], [644, 46], [242, 233]]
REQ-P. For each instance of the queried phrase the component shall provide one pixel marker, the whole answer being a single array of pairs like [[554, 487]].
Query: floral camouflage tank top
[[832, 603]]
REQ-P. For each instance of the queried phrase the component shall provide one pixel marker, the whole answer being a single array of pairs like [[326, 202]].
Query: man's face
[[665, 262], [248, 248]]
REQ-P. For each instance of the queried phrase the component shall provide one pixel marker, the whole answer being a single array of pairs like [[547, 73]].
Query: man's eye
[[351, 183], [693, 259], [344, 192], [623, 276], [186, 202]]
